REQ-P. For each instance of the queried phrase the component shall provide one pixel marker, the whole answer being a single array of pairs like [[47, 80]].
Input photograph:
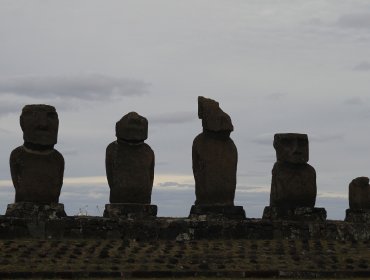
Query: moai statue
[[129, 166], [215, 160], [293, 185], [359, 201], [36, 167]]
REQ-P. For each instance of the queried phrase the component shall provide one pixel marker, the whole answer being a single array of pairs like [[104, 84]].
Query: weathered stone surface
[[359, 194], [39, 123], [358, 216], [295, 214], [214, 157], [162, 228], [291, 147], [130, 210], [213, 118], [132, 127], [293, 179], [36, 167], [293, 185], [217, 212], [130, 167], [35, 210]]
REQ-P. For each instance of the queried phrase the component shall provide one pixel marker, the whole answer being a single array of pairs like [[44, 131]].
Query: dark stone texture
[[291, 147], [179, 229], [34, 210], [213, 118], [293, 179], [39, 123], [217, 211], [130, 167], [36, 167], [295, 214], [359, 194], [132, 127], [130, 210], [214, 157], [358, 215], [293, 185]]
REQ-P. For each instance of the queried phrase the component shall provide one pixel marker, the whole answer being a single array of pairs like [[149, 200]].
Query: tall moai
[[359, 201], [36, 167], [293, 185], [129, 166], [215, 158]]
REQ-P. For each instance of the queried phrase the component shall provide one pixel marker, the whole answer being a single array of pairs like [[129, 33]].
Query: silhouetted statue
[[359, 200], [215, 160], [293, 186], [36, 167], [293, 179], [129, 166]]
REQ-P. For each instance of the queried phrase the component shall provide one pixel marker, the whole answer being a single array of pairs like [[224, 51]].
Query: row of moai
[[37, 171]]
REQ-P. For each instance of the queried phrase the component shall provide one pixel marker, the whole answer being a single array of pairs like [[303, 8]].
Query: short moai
[[215, 158], [36, 167], [293, 185], [129, 164], [359, 201]]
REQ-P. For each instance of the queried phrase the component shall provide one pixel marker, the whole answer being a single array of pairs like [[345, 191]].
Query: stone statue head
[[213, 118], [132, 127], [291, 147], [359, 193], [39, 124]]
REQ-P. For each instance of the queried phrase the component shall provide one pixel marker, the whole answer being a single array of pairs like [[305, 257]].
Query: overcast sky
[[274, 66]]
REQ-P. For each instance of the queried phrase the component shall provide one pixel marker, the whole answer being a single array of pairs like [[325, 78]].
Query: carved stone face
[[291, 147], [132, 127], [40, 124], [213, 118]]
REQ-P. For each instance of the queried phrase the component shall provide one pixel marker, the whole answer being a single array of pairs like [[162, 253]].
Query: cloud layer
[[84, 87]]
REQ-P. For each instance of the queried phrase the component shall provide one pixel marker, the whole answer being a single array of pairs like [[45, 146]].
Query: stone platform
[[358, 216], [179, 229], [130, 210], [217, 211], [302, 214], [35, 210]]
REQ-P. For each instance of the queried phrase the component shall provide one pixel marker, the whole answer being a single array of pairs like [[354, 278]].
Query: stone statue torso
[[214, 167], [293, 185], [130, 172], [37, 176]]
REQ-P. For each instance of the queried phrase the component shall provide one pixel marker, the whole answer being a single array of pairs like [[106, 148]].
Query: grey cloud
[[265, 139], [4, 131], [354, 20], [266, 158], [7, 107], [173, 118], [70, 152], [276, 96], [363, 66], [175, 184], [85, 87], [323, 138], [353, 101]]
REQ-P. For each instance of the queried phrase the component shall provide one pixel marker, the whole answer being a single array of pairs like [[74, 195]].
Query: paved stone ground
[[202, 258]]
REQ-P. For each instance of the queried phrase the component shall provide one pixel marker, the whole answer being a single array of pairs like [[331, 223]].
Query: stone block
[[311, 214], [35, 210], [217, 211], [358, 216], [130, 210]]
